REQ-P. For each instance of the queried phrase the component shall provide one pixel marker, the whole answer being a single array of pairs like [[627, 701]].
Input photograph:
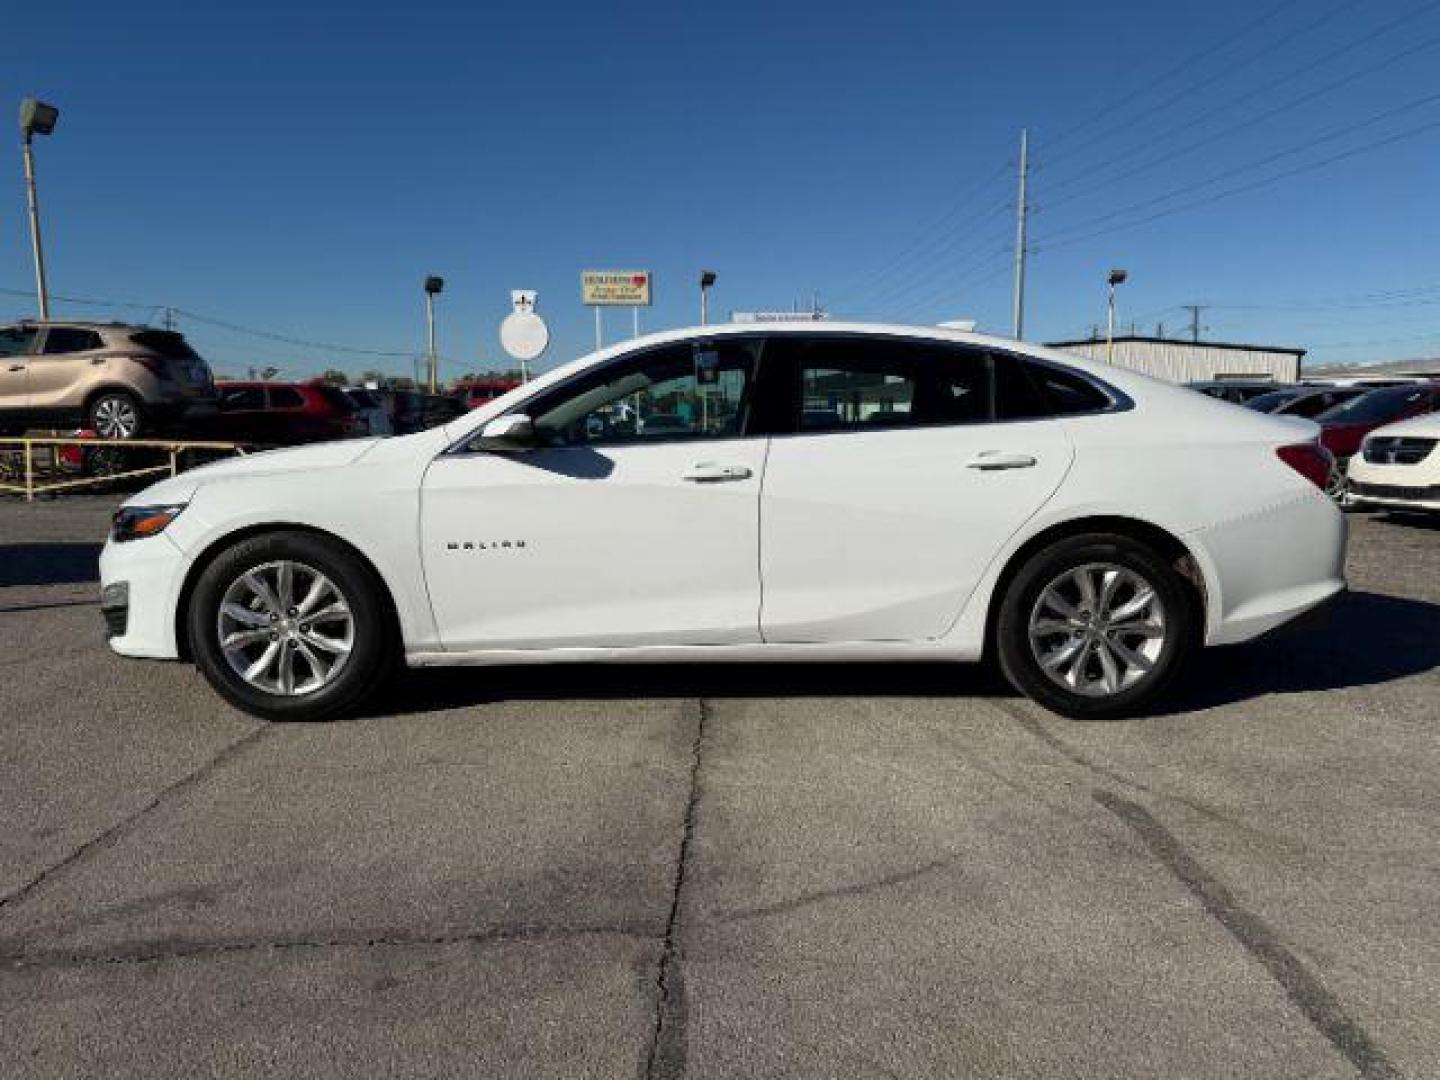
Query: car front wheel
[[291, 626], [1096, 626]]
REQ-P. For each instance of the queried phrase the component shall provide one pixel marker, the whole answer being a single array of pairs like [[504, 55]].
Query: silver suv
[[118, 380]]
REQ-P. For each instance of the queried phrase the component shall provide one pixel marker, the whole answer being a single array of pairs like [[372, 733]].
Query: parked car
[[1087, 526], [1398, 467], [1344, 426], [1306, 401], [480, 392], [282, 414], [372, 417], [115, 379], [1235, 391]]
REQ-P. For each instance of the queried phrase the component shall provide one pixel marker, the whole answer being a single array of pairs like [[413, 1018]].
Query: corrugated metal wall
[[1184, 361]]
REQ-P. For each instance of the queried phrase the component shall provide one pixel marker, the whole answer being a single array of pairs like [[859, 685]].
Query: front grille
[[1396, 491], [1398, 451], [115, 621]]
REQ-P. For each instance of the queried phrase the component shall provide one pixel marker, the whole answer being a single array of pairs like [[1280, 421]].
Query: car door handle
[[995, 460], [707, 472], [17, 367]]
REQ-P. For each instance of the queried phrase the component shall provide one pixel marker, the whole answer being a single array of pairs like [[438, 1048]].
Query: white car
[[836, 492], [1398, 466]]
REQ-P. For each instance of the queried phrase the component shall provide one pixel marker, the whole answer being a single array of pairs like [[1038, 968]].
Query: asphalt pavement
[[749, 871]]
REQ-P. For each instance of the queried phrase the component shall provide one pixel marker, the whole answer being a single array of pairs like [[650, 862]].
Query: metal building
[[1194, 361]]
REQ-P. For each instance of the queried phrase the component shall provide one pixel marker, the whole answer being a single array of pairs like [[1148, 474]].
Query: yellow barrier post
[[29, 474]]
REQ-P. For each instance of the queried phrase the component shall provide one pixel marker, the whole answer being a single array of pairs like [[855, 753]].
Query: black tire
[[1021, 664], [374, 652], [101, 416]]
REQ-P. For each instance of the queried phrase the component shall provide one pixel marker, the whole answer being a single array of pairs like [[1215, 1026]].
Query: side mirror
[[512, 433]]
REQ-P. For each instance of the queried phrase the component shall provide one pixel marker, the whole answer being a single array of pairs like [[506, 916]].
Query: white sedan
[[799, 492], [1398, 467]]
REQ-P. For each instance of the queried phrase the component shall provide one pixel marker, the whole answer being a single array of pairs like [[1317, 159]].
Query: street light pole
[[1117, 277], [433, 285], [707, 279], [36, 118]]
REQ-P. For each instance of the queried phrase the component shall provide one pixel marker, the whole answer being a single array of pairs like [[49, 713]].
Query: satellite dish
[[524, 334]]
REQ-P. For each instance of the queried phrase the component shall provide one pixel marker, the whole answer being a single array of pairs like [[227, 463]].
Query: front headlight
[[136, 522]]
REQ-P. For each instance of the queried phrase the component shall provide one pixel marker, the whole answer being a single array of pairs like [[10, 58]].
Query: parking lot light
[[433, 287], [36, 118], [1116, 277], [707, 279]]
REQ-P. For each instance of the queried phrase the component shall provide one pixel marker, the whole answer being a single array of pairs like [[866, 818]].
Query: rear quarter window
[[165, 343]]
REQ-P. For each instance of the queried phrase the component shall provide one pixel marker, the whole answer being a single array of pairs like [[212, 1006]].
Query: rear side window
[[66, 339], [283, 397], [868, 383], [165, 343], [1064, 392]]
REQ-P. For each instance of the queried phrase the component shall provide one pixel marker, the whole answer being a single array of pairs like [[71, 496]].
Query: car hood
[[328, 455]]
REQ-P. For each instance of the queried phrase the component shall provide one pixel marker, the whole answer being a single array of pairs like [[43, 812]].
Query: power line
[[927, 236], [221, 324], [1330, 136], [1231, 192], [1180, 68], [1128, 169]]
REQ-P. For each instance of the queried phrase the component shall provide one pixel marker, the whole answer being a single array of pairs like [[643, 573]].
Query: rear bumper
[[1267, 568]]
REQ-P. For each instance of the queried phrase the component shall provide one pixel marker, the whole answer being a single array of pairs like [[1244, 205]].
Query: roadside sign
[[524, 334], [615, 288]]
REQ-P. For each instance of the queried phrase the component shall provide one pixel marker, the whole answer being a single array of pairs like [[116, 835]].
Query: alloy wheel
[[1097, 629], [116, 418], [285, 628]]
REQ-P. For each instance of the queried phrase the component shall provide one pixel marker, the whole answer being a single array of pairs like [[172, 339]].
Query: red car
[[282, 414], [1344, 427], [483, 391]]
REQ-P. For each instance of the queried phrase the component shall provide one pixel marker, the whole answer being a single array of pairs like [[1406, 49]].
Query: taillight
[[1310, 460]]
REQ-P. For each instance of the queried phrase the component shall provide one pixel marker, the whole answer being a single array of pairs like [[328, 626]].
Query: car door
[[609, 531], [897, 487], [16, 343], [61, 372]]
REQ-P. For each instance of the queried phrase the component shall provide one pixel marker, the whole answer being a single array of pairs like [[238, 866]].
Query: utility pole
[[1194, 310], [1021, 209], [169, 318]]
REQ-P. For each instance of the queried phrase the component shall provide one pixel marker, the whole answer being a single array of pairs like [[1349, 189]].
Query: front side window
[[16, 340], [697, 390], [64, 339]]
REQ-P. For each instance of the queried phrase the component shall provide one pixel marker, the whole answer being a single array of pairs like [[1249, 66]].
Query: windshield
[[1377, 406]]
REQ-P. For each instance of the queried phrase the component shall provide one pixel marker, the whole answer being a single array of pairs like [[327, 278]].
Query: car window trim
[[463, 447], [1116, 400]]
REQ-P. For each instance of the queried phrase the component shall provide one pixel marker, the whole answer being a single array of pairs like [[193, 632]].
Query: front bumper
[[140, 617]]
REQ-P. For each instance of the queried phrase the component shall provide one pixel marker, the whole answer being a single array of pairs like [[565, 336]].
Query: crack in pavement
[[112, 833], [158, 952], [1304, 988], [666, 1055]]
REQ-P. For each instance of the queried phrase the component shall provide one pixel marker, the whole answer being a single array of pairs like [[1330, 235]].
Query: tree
[[335, 377]]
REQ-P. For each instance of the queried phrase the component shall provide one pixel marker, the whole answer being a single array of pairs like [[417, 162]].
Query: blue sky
[[299, 168]]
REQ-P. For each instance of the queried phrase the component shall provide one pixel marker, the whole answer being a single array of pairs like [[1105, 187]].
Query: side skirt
[[801, 652]]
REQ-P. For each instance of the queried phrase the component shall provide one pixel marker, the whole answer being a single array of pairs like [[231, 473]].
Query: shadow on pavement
[[49, 564], [1359, 640]]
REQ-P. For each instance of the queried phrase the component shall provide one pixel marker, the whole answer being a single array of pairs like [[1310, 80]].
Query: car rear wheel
[[292, 626], [115, 415], [1096, 626]]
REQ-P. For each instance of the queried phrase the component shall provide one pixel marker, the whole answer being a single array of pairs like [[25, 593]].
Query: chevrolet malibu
[[845, 492]]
